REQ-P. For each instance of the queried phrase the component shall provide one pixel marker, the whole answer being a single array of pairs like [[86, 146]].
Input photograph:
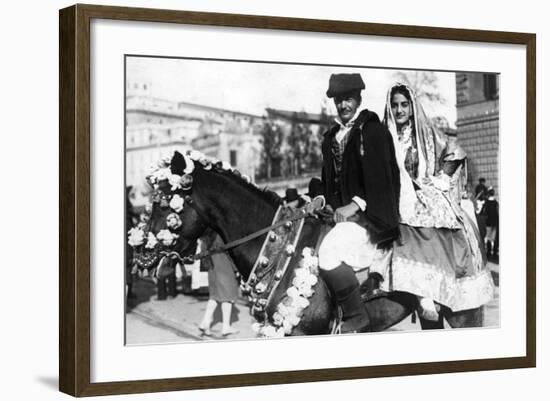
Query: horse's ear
[[177, 165]]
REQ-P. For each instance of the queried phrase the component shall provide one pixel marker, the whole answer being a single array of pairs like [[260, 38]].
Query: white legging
[[347, 243]]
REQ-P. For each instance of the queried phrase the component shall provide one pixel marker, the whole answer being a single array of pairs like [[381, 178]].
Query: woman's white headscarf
[[430, 144]]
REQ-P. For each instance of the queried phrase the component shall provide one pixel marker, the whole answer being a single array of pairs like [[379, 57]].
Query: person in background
[[292, 199], [222, 285], [130, 222], [490, 209], [481, 190], [166, 280]]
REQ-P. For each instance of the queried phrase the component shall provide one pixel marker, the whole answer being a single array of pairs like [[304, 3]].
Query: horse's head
[[172, 225], [187, 199]]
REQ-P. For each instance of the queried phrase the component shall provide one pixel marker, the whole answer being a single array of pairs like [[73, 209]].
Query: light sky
[[252, 87]]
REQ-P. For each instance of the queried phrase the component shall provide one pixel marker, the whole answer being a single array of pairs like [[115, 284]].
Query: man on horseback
[[361, 186]]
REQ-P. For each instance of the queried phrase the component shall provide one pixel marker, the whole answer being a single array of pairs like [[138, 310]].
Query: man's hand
[[345, 212], [326, 214]]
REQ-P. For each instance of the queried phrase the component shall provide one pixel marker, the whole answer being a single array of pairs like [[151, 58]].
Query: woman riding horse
[[438, 256]]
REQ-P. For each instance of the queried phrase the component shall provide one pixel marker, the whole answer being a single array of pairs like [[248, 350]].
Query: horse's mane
[[236, 177]]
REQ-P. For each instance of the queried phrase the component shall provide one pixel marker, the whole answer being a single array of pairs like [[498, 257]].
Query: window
[[233, 158], [490, 86]]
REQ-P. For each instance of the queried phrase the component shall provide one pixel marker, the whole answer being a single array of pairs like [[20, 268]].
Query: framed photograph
[[250, 200]]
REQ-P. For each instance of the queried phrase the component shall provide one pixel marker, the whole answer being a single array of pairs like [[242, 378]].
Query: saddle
[[370, 288]]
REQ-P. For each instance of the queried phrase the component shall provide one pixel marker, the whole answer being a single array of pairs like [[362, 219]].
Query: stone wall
[[478, 128]]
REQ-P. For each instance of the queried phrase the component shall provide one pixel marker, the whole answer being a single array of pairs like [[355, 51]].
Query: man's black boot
[[345, 288]]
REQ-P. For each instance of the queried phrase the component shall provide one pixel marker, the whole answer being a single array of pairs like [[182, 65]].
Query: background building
[[477, 101], [155, 128], [278, 150]]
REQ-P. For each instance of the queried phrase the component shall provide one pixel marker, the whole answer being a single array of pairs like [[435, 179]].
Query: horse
[[221, 199]]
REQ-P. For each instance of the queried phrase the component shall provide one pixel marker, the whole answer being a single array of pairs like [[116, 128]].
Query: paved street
[[176, 319]]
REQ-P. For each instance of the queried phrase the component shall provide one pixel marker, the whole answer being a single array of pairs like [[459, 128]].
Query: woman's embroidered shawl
[[425, 201]]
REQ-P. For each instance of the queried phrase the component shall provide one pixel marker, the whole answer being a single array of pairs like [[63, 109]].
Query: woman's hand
[[344, 213]]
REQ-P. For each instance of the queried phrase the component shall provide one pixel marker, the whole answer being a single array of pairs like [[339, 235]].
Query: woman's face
[[401, 108]]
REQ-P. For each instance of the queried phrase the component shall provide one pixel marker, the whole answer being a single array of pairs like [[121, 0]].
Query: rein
[[309, 210], [243, 240]]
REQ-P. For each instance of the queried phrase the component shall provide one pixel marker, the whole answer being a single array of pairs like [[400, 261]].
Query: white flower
[[310, 263], [292, 292], [305, 290], [189, 165], [307, 252], [314, 262], [312, 280], [301, 273], [226, 166], [175, 181], [294, 320], [173, 221], [292, 311], [280, 333], [287, 326], [283, 310], [246, 178], [289, 249], [278, 319], [299, 281], [195, 155], [136, 236], [269, 331], [256, 327], [166, 237], [163, 174], [151, 241], [176, 203], [301, 302]]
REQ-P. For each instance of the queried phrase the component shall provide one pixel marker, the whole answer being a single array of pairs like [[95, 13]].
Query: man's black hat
[[343, 83], [291, 194], [315, 187]]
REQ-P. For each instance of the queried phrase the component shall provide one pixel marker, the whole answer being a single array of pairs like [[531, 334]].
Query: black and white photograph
[[266, 199]]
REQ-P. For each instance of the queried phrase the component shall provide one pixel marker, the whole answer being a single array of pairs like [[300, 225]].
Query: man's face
[[401, 108], [346, 105]]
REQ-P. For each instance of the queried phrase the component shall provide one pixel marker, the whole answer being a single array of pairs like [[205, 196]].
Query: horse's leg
[[465, 318], [318, 315], [172, 289], [161, 289]]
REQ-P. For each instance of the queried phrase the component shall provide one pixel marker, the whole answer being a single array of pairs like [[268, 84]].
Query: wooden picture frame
[[75, 200]]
